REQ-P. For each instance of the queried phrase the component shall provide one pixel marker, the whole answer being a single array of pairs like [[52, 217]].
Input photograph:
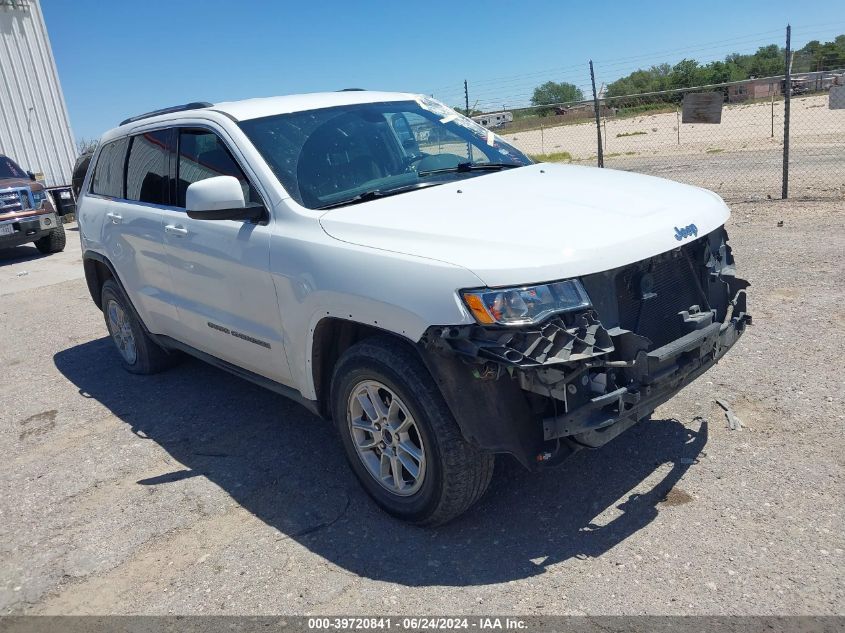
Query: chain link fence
[[741, 156], [817, 136]]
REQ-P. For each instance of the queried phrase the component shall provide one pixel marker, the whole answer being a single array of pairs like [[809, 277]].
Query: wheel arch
[[98, 270], [331, 337]]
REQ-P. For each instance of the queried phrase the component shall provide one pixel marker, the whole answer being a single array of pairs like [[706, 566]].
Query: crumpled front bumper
[[578, 380], [606, 384], [653, 378]]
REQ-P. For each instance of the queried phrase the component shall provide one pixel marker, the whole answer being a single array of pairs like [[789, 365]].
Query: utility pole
[[598, 115], [787, 89]]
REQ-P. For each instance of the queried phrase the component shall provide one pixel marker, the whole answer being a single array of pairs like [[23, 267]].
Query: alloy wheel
[[386, 437], [121, 332]]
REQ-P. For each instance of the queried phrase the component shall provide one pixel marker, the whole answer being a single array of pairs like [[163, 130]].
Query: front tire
[[400, 437], [139, 354], [54, 241]]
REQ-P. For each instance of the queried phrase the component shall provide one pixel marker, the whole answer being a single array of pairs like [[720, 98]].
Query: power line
[[518, 89], [750, 39]]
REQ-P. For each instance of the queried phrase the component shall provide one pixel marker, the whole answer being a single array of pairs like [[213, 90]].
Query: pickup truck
[[27, 214]]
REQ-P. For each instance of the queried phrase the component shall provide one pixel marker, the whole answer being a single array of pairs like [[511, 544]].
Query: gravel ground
[[195, 492], [815, 172]]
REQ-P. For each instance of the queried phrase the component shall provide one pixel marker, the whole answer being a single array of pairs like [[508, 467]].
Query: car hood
[[17, 183], [537, 223]]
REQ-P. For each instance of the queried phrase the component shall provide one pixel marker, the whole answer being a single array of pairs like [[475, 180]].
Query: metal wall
[[34, 125]]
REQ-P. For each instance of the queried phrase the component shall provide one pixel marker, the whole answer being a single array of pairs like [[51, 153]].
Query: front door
[[224, 293]]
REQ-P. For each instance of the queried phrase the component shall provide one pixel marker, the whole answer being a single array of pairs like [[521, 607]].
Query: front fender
[[319, 277], [491, 410]]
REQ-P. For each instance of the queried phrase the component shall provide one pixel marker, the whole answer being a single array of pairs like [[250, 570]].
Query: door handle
[[175, 231], [114, 217]]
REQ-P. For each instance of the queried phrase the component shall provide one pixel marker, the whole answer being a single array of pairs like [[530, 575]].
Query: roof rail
[[352, 90], [195, 105]]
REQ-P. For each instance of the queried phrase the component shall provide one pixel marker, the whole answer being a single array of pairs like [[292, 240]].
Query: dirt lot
[[195, 492]]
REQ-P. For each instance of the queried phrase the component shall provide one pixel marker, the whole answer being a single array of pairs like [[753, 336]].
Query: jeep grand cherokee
[[394, 266]]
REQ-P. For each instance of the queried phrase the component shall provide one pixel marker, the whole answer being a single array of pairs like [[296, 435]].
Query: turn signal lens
[[476, 306], [525, 305]]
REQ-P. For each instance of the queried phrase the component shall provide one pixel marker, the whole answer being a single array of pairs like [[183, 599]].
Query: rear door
[[128, 191], [225, 295]]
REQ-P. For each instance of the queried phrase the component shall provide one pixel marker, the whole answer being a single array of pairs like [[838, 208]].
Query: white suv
[[392, 265]]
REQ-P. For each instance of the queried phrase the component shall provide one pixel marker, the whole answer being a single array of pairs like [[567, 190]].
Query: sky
[[119, 58]]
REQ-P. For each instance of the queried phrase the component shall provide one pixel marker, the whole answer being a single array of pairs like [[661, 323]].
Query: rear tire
[[139, 354], [441, 474], [54, 241]]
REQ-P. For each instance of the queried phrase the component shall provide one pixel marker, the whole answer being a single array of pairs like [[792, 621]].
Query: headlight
[[528, 304], [39, 197]]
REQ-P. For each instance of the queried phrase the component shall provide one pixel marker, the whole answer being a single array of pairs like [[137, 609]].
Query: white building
[[34, 125]]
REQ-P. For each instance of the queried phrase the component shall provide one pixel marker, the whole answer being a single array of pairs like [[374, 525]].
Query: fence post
[[787, 89], [466, 102], [678, 123], [466, 97], [598, 115], [772, 91]]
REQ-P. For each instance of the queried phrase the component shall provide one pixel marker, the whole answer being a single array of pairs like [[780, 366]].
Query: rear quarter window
[[108, 174]]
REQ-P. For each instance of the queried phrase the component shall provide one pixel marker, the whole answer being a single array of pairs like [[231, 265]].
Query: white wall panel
[[34, 125]]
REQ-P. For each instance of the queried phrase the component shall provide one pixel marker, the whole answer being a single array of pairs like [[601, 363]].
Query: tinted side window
[[147, 169], [108, 175], [202, 154], [10, 169]]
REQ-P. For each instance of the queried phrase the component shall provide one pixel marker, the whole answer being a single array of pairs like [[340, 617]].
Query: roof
[[264, 106], [267, 106]]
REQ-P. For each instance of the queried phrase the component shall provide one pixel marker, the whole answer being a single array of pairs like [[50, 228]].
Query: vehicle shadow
[[286, 467], [19, 254]]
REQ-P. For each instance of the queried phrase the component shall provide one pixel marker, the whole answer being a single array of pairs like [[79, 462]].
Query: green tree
[[553, 92], [686, 73], [723, 72], [767, 61], [654, 79]]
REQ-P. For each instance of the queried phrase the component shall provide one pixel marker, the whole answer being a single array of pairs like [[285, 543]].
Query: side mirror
[[220, 198], [31, 175]]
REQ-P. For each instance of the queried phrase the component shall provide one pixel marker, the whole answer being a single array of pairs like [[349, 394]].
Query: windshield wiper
[[466, 167], [373, 194]]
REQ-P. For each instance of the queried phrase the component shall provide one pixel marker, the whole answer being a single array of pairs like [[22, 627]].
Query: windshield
[[332, 156], [10, 169]]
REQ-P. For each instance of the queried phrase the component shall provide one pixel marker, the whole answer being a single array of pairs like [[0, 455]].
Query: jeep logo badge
[[687, 231]]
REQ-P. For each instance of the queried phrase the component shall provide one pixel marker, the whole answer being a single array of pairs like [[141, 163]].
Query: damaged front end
[[580, 378]]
